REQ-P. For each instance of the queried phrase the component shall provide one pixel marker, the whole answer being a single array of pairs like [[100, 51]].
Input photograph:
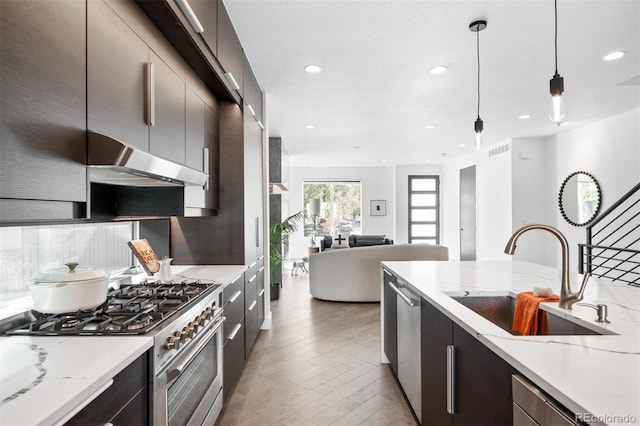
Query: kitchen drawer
[[128, 392], [250, 290], [233, 360], [251, 327]]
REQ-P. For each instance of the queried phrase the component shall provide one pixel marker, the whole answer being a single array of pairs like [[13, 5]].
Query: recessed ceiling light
[[461, 145], [310, 126], [614, 55], [438, 70], [312, 68], [524, 116], [428, 161], [430, 126], [383, 161], [356, 147]]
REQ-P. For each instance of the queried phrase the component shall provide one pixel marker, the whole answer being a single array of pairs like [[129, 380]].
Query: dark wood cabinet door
[[390, 323], [117, 61], [437, 334], [229, 47], [126, 401], [195, 130], [43, 101], [212, 142], [207, 13], [167, 135], [251, 324], [483, 383], [234, 360]]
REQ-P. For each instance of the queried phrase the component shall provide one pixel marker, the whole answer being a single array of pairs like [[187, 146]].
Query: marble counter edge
[[90, 384], [493, 336]]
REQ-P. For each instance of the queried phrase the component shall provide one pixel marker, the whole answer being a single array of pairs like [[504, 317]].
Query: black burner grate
[[131, 309]]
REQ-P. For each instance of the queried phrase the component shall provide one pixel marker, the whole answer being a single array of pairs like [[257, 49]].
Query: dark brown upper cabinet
[[206, 12], [117, 77], [229, 48], [201, 154], [133, 95], [42, 110], [252, 92], [167, 100]]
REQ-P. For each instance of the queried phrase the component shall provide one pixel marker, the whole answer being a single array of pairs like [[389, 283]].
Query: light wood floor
[[318, 365]]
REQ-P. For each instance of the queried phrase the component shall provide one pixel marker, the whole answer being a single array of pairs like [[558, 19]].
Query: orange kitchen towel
[[526, 319]]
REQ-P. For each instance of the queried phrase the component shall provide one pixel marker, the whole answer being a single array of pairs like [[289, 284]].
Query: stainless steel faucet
[[567, 298]]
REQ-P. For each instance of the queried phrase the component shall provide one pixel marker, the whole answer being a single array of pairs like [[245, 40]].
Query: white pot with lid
[[69, 289]]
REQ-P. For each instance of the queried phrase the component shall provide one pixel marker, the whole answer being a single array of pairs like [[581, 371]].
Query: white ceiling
[[375, 91]]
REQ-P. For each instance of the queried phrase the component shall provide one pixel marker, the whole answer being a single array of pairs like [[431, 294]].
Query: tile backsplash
[[26, 250]]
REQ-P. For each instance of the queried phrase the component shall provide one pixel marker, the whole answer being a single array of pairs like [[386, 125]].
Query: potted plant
[[278, 237]]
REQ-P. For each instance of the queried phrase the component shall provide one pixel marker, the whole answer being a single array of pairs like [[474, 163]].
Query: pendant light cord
[[478, 50], [555, 5]]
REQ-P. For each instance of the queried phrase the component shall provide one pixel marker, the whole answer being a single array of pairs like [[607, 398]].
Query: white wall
[[530, 196], [522, 188], [377, 184], [402, 196], [608, 149], [493, 195]]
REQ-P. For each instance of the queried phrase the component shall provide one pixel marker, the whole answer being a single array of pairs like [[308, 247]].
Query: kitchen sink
[[499, 310]]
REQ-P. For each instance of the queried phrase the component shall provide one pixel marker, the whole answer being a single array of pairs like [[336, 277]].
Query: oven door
[[189, 389]]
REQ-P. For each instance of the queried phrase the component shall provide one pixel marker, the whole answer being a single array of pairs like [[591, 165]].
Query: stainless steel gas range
[[184, 318]]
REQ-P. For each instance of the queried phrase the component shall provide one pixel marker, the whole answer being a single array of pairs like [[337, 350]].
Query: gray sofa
[[326, 241], [353, 274]]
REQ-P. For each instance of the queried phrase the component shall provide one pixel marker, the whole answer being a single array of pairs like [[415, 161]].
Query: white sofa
[[353, 274]]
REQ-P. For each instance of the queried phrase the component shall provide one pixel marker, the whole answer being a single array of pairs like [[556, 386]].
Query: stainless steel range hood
[[114, 162]]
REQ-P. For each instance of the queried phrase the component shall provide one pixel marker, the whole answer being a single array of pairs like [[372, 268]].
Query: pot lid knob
[[71, 266]]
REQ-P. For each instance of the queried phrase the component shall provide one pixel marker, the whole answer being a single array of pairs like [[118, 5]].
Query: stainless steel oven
[[188, 378]]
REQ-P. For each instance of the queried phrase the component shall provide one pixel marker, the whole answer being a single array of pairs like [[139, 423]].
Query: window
[[424, 209], [340, 207]]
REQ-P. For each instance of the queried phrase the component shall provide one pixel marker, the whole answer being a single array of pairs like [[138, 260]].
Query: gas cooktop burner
[[131, 309]]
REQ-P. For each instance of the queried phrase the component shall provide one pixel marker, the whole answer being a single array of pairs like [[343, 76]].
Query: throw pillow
[[340, 240]]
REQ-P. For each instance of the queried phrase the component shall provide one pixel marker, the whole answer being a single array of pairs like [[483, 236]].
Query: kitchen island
[[596, 376], [46, 380]]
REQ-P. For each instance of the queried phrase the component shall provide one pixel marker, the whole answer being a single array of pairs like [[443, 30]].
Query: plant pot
[[275, 292]]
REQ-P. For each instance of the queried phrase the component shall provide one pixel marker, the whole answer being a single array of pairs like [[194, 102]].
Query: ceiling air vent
[[498, 150]]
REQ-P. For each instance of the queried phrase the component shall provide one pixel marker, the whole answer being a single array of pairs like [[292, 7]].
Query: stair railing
[[612, 249]]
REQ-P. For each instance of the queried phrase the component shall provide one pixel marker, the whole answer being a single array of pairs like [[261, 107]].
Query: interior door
[[468, 213]]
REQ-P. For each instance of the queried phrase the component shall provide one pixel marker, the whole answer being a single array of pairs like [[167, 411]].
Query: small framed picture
[[378, 207]]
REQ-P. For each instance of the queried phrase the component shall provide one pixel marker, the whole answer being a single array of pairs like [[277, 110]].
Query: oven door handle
[[186, 357]]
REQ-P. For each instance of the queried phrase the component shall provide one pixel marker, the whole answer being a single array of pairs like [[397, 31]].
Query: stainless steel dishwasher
[[409, 340]]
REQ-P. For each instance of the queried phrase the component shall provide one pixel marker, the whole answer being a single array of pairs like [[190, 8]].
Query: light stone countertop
[[598, 375], [45, 380]]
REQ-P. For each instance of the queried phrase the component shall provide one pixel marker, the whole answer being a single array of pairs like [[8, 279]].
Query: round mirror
[[579, 198]]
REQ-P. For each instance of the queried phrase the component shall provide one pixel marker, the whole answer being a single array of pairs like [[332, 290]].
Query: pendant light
[[556, 84], [476, 27]]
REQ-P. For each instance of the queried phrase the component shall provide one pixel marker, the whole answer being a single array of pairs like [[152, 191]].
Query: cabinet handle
[[235, 331], [205, 167], [405, 299], [451, 377], [252, 279], [151, 94], [234, 297], [253, 305], [188, 13], [261, 293], [257, 232]]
